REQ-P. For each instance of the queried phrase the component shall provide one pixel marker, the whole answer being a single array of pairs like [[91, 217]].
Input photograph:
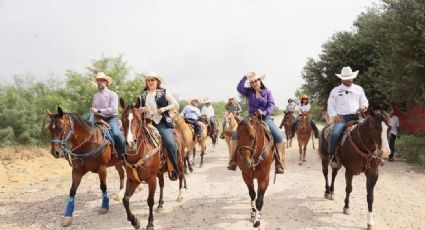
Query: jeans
[[167, 138], [196, 125], [392, 144], [277, 134], [117, 135], [212, 123], [338, 129]]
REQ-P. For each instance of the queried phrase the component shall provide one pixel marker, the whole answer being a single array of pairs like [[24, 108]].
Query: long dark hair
[[303, 100], [158, 86]]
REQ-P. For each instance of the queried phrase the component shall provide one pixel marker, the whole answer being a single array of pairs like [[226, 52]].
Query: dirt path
[[216, 198]]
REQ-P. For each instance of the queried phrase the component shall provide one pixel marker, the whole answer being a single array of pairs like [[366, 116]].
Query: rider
[[290, 109], [260, 101], [208, 111], [105, 105], [192, 113], [158, 102], [304, 108], [232, 106], [344, 103]]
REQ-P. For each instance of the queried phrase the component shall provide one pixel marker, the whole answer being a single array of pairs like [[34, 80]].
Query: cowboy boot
[[280, 161], [233, 147]]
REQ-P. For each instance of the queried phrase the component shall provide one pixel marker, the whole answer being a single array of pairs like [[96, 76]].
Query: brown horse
[[211, 132], [304, 132], [146, 160], [189, 139], [287, 121], [254, 156], [361, 152], [87, 149], [230, 127]]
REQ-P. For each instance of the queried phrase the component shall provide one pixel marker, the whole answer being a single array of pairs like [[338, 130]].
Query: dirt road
[[216, 198]]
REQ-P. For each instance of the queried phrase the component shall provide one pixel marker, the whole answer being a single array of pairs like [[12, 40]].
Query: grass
[[412, 148], [21, 152]]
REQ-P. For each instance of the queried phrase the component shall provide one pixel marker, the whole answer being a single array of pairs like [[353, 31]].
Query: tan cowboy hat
[[192, 99], [347, 73], [304, 97], [230, 98], [151, 74], [102, 75], [256, 77]]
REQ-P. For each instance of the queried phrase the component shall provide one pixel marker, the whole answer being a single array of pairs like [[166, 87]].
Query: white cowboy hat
[[207, 101], [102, 75], [347, 73], [151, 74]]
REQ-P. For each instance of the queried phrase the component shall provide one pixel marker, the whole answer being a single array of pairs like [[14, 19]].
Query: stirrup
[[173, 175], [333, 163], [279, 169]]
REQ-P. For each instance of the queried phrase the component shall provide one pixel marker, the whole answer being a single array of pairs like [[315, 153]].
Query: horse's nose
[[55, 153]]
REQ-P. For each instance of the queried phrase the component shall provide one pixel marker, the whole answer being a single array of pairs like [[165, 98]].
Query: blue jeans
[[167, 138], [338, 129], [117, 135], [278, 136]]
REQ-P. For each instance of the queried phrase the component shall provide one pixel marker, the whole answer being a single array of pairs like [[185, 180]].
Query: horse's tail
[[322, 150]]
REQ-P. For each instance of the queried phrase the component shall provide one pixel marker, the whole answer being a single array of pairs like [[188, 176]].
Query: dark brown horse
[[287, 121], [360, 152], [254, 156], [87, 149], [145, 161], [304, 132], [211, 132]]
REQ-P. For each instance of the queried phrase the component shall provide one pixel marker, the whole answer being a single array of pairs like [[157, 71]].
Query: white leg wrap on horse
[[253, 204], [257, 216], [370, 220]]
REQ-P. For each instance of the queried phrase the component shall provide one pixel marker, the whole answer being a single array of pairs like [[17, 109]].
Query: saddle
[[192, 128]]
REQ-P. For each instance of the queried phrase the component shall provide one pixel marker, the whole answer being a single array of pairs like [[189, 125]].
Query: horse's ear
[[138, 102], [60, 111], [122, 103], [50, 114]]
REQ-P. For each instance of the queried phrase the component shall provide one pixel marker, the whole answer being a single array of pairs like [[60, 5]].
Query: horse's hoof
[[346, 211], [327, 195], [370, 227], [103, 211], [300, 163], [67, 220], [149, 227], [304, 160], [137, 225], [159, 209], [331, 196], [191, 169]]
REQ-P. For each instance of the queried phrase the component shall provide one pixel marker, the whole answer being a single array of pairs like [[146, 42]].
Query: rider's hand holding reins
[[338, 118]]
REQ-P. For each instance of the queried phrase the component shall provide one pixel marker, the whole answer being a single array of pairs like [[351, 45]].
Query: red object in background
[[412, 119]]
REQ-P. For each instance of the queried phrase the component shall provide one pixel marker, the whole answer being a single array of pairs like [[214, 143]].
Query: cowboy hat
[[192, 99], [151, 74], [347, 73], [207, 101], [304, 97], [255, 77], [102, 75]]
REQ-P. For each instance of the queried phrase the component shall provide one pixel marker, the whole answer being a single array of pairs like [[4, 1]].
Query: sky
[[202, 48]]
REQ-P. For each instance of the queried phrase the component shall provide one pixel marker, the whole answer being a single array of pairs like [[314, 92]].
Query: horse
[[211, 132], [254, 157], [190, 140], [304, 132], [361, 151], [287, 121], [231, 124], [145, 160], [86, 148]]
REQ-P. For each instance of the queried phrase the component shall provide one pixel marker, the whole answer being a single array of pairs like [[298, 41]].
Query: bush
[[411, 147]]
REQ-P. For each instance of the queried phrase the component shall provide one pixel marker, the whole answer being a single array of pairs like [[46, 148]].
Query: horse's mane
[[80, 120]]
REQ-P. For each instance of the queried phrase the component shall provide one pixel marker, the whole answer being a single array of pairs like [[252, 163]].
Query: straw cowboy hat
[[304, 97], [347, 73], [255, 77], [193, 99], [102, 75], [151, 74]]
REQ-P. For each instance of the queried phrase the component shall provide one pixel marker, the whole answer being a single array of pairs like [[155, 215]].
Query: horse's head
[[246, 141], [380, 122], [59, 128], [304, 122], [131, 120]]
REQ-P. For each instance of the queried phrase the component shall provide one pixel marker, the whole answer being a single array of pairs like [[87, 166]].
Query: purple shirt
[[106, 101], [264, 102]]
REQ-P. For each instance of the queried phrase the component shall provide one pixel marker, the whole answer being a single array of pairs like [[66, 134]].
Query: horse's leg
[[121, 173], [203, 149], [325, 164], [105, 197], [304, 151], [332, 188], [151, 201], [348, 190], [129, 191], [76, 179], [161, 192], [300, 150], [263, 183], [182, 179], [188, 161], [371, 179], [249, 181], [194, 153]]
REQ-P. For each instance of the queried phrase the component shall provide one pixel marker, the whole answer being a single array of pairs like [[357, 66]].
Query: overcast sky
[[201, 47]]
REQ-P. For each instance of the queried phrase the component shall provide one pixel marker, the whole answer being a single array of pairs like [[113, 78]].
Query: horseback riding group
[[154, 139]]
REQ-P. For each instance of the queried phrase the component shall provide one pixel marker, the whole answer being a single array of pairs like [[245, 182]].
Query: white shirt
[[153, 108], [208, 111], [191, 112], [305, 108], [345, 100], [395, 123], [290, 108]]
